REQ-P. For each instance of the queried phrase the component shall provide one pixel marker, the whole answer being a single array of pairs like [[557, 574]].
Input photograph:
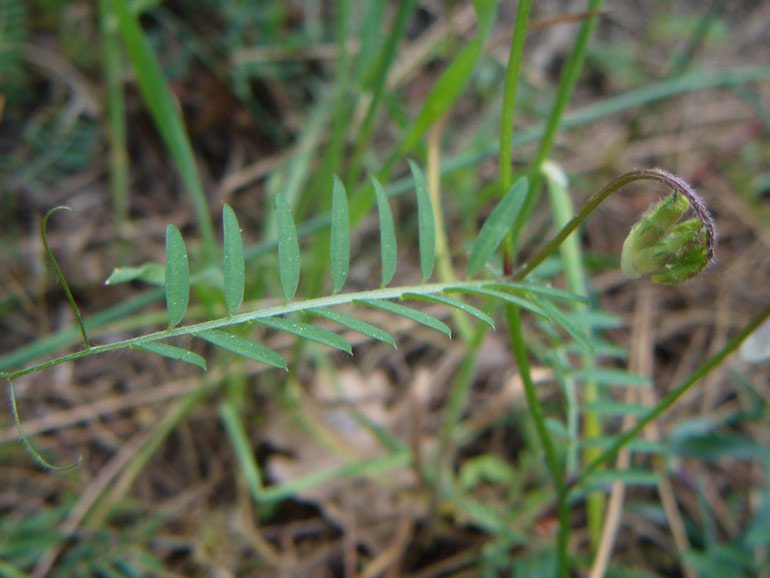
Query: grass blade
[[173, 352], [177, 276], [235, 266], [157, 95], [455, 303], [340, 236], [496, 226], [426, 223], [307, 331], [413, 314], [244, 347], [388, 248], [288, 248], [355, 324]]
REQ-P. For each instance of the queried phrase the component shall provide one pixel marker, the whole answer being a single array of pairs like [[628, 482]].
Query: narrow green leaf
[[454, 79], [636, 445], [355, 324], [426, 224], [567, 324], [388, 249], [172, 352], [539, 289], [413, 314], [165, 113], [456, 303], [235, 266], [288, 248], [628, 477], [611, 376], [340, 237], [497, 226], [502, 296], [152, 273], [177, 276], [613, 408], [307, 331], [244, 347]]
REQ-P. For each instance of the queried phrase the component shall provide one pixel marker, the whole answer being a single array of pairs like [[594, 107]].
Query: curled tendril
[[687, 248]]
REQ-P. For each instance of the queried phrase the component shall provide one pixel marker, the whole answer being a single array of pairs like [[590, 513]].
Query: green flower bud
[[658, 244]]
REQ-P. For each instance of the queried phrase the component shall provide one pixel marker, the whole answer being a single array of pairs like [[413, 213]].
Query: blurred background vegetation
[[279, 96]]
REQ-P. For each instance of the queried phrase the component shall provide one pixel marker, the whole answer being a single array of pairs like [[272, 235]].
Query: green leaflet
[[388, 246], [339, 245], [544, 290], [614, 408], [426, 224], [409, 313], [456, 303], [629, 477], [288, 248], [497, 226], [567, 324], [172, 352], [307, 331], [235, 266], [152, 273], [177, 276], [355, 324], [610, 376], [244, 347], [504, 296]]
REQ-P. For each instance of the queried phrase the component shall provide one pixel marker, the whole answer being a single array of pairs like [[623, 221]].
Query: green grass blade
[[496, 226], [157, 95], [288, 248], [307, 331], [452, 82], [177, 276], [244, 347], [614, 408], [340, 235], [413, 314], [503, 296], [455, 303], [388, 247], [611, 376], [235, 266], [355, 324], [426, 224], [173, 352]]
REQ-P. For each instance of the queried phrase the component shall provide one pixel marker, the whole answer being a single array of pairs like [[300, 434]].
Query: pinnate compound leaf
[[497, 226], [172, 352], [307, 331], [426, 224], [413, 314], [244, 347], [455, 303], [288, 248], [355, 324], [177, 276], [235, 268], [340, 235], [388, 249]]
